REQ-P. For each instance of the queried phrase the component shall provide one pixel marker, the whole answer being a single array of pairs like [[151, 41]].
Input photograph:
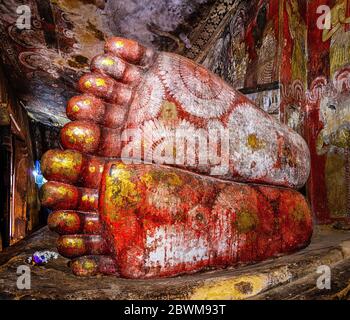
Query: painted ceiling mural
[[246, 51], [45, 61], [261, 49]]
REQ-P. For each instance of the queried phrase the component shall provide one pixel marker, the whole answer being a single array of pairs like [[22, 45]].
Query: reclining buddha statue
[[165, 170]]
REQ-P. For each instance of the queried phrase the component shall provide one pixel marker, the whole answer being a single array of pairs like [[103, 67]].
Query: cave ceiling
[[44, 62]]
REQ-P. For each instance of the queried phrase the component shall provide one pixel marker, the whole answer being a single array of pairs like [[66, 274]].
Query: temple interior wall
[[285, 57]]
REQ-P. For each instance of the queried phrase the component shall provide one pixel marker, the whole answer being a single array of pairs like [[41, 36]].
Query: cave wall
[[245, 51], [45, 60], [19, 202], [253, 50], [299, 73], [328, 106]]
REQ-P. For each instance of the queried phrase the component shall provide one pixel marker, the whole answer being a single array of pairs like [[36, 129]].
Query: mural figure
[[334, 142], [294, 118], [339, 35], [239, 55], [216, 58], [294, 105], [267, 55], [229, 58], [298, 32], [146, 220]]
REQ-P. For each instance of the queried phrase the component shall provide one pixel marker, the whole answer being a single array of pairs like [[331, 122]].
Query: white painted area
[[245, 121], [198, 91], [173, 245], [148, 99]]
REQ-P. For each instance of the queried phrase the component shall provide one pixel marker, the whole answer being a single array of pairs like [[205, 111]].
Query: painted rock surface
[[117, 214]]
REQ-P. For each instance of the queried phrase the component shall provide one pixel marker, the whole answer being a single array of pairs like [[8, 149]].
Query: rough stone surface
[[306, 289]]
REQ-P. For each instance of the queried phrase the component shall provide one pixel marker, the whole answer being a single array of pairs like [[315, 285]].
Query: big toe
[[130, 51]]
